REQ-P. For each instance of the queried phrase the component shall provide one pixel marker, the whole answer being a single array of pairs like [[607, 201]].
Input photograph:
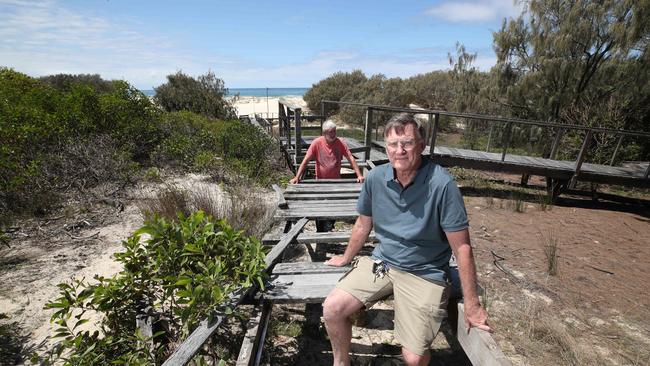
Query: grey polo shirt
[[410, 222]]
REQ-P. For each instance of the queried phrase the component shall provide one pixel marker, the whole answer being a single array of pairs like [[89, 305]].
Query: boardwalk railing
[[556, 173]]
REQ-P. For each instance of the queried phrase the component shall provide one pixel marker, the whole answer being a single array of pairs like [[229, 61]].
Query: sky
[[248, 44]]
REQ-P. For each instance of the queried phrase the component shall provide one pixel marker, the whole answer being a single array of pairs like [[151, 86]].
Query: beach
[[266, 107]]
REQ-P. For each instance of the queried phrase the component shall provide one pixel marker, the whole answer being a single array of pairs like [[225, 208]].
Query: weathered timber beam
[[478, 345], [254, 337]]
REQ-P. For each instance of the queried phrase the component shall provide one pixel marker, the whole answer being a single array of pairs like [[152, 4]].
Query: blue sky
[[245, 43]]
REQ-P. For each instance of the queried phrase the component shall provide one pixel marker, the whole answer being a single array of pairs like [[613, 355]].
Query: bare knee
[[339, 305], [413, 359]]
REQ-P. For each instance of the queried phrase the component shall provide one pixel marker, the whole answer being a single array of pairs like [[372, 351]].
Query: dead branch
[[82, 237]]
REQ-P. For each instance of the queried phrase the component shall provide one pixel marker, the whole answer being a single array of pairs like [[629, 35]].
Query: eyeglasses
[[406, 144]]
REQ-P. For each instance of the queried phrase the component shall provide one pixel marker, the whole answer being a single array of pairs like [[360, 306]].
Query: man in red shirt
[[328, 150]]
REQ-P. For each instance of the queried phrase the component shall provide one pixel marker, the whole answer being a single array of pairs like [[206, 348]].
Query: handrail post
[[322, 113], [618, 145], [288, 126], [581, 158], [434, 133], [506, 140], [647, 172], [368, 133], [556, 143], [377, 130], [297, 113], [280, 119], [487, 148]]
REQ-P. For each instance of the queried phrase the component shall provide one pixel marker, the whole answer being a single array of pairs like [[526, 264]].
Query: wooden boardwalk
[[560, 174], [310, 282], [561, 170]]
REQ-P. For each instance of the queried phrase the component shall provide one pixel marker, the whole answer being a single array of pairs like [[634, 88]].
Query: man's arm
[[360, 232], [475, 314], [302, 168]]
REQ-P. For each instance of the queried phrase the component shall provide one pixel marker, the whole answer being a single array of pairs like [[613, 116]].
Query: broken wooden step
[[302, 282]]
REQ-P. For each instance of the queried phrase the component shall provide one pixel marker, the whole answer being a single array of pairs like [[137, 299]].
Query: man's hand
[[294, 180], [338, 261], [476, 316], [360, 179]]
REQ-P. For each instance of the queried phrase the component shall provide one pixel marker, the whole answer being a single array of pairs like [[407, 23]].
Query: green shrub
[[69, 136], [334, 87], [188, 135], [204, 95], [183, 272]]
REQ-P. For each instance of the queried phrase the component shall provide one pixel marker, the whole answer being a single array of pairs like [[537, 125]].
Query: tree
[[204, 95], [334, 87], [560, 58]]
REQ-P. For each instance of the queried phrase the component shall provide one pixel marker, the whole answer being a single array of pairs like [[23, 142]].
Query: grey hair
[[399, 122], [328, 125]]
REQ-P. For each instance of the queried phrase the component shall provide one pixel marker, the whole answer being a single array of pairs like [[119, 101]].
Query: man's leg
[[413, 359], [337, 309], [420, 307]]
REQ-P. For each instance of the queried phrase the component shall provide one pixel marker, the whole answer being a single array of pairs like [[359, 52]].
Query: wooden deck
[[560, 174], [562, 170]]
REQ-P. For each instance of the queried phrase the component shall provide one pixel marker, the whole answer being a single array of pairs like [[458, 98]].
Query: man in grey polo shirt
[[419, 218]]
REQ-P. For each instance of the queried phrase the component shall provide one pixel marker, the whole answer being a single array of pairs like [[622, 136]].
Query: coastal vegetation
[[204, 95], [183, 270], [576, 63], [65, 134]]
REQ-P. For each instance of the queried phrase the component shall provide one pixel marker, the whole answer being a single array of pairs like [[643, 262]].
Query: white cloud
[[474, 11], [47, 37], [43, 38]]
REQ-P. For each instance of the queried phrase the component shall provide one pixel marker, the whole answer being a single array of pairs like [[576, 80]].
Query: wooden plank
[[280, 197], [318, 187], [478, 345], [323, 203], [328, 181], [195, 341], [307, 267], [343, 215], [255, 331], [311, 238], [312, 197], [361, 164], [287, 238], [301, 288]]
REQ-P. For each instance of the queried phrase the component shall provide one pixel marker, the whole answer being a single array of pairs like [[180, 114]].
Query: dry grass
[[544, 338], [245, 208], [550, 252], [516, 202]]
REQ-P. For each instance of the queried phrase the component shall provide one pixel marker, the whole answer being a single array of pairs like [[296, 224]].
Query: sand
[[268, 108]]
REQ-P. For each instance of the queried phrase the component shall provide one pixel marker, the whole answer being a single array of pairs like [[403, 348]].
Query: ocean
[[254, 92]]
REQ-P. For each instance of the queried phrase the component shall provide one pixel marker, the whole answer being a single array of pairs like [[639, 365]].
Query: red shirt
[[328, 157]]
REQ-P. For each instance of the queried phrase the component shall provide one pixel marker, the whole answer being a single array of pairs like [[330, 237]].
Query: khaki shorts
[[420, 305]]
